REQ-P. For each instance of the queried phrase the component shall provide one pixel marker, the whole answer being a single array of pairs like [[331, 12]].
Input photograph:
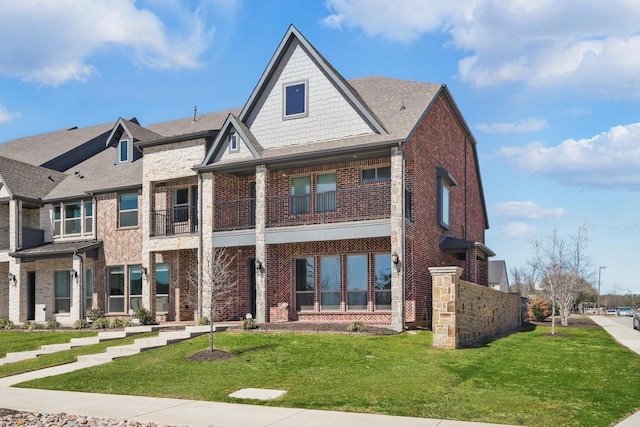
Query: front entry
[[252, 287], [31, 295]]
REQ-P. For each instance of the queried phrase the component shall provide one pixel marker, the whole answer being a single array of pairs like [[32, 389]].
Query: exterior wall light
[[259, 267], [395, 258], [11, 277]]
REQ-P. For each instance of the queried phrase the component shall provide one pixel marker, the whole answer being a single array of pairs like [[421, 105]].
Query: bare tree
[[523, 281], [217, 287], [561, 266]]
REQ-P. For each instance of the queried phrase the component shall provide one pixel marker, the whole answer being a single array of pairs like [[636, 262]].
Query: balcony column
[[77, 289], [261, 246], [17, 292], [206, 187], [15, 231], [146, 256], [397, 239]]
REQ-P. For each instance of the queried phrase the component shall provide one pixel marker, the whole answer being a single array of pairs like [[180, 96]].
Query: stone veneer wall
[[465, 313]]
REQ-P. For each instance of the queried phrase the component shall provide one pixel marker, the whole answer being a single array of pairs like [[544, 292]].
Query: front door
[[31, 295], [252, 287]]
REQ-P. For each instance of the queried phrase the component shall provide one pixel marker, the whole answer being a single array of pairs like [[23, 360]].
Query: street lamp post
[[599, 276]]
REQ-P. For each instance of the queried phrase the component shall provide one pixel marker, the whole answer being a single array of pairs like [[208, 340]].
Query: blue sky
[[550, 90]]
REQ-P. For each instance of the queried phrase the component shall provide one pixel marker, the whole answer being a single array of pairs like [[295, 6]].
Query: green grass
[[11, 341], [62, 357], [581, 378]]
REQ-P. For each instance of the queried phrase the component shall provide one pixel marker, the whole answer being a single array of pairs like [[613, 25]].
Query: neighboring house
[[335, 196], [498, 278]]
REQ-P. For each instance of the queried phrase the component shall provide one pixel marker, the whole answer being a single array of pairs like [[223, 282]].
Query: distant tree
[[523, 281], [217, 287], [561, 267]]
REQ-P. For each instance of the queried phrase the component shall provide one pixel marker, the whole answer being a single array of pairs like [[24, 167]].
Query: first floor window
[[135, 287], [162, 288], [62, 292], [382, 282], [88, 288], [330, 283], [357, 275], [305, 284], [116, 290]]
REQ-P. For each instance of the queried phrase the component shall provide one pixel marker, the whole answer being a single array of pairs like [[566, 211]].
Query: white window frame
[[86, 221], [65, 275], [121, 211], [445, 182], [129, 151], [234, 147], [305, 113]]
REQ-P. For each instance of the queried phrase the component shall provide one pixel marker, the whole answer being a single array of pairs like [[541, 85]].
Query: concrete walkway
[[199, 413]]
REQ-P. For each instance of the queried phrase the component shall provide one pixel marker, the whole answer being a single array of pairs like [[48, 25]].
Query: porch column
[[206, 184], [77, 289], [261, 246], [15, 231], [397, 240], [17, 292]]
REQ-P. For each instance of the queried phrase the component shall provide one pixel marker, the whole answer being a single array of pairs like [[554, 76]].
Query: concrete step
[[52, 348], [123, 350], [79, 342]]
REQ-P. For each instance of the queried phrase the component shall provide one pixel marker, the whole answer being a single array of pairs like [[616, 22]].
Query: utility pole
[[599, 276]]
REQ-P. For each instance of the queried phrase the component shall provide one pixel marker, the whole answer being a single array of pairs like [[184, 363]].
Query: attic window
[[124, 151], [295, 100], [233, 143]]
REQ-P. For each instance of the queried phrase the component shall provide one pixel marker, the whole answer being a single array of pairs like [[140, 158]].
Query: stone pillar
[[397, 240], [17, 292], [261, 246], [146, 256], [445, 283], [206, 212], [77, 289], [15, 231]]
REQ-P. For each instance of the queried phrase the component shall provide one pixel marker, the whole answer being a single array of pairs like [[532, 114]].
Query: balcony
[[177, 220], [355, 204]]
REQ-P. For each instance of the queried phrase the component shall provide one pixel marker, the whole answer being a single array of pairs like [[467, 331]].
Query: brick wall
[[465, 313]]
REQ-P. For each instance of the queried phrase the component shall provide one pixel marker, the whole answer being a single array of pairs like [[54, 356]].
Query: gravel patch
[[11, 418]]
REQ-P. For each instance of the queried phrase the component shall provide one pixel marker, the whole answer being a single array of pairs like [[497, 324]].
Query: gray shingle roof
[[28, 181], [58, 249]]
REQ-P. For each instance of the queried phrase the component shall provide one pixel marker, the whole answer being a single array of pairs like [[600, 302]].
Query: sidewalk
[[200, 413]]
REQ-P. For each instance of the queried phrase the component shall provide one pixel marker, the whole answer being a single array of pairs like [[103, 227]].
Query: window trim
[[59, 223], [129, 151], [66, 274], [234, 147], [445, 181], [155, 277], [305, 113], [132, 271], [118, 269]]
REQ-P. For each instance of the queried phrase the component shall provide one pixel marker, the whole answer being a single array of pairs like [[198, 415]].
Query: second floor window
[[123, 151], [72, 219], [325, 190], [376, 174], [445, 182], [181, 204], [128, 210]]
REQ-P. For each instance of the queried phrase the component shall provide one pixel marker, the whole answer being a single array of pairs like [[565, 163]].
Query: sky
[[550, 90]]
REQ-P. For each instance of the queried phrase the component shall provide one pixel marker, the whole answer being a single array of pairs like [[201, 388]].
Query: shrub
[[53, 324], [30, 326], [538, 310], [356, 326], [5, 323], [203, 321], [145, 316], [101, 323], [80, 324], [249, 324], [94, 314], [119, 323]]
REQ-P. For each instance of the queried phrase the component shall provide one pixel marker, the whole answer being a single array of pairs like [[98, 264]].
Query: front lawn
[[12, 341], [580, 378]]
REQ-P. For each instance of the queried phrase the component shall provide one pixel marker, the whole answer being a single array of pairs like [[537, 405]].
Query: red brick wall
[[440, 140]]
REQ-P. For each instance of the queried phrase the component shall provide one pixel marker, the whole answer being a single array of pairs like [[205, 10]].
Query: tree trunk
[[211, 331]]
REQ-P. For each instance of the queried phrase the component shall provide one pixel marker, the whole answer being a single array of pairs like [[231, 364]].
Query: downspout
[[200, 244], [470, 271]]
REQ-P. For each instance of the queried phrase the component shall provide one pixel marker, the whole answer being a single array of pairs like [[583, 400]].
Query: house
[[335, 197], [498, 278]]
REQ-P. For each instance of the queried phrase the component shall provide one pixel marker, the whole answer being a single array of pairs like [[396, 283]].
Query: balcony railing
[[177, 220], [356, 204], [4, 238]]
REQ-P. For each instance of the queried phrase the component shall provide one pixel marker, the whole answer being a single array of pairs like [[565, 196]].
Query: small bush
[[119, 323], [203, 321], [80, 324], [5, 323], [356, 326], [249, 324], [94, 314], [101, 323], [53, 324], [145, 316], [30, 326]]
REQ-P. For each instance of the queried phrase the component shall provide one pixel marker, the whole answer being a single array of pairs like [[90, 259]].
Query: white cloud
[[51, 42], [582, 43], [516, 230], [7, 116], [527, 209], [528, 125], [610, 159]]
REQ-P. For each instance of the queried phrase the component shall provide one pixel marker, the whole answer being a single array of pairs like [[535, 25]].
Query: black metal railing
[[234, 215], [177, 220]]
